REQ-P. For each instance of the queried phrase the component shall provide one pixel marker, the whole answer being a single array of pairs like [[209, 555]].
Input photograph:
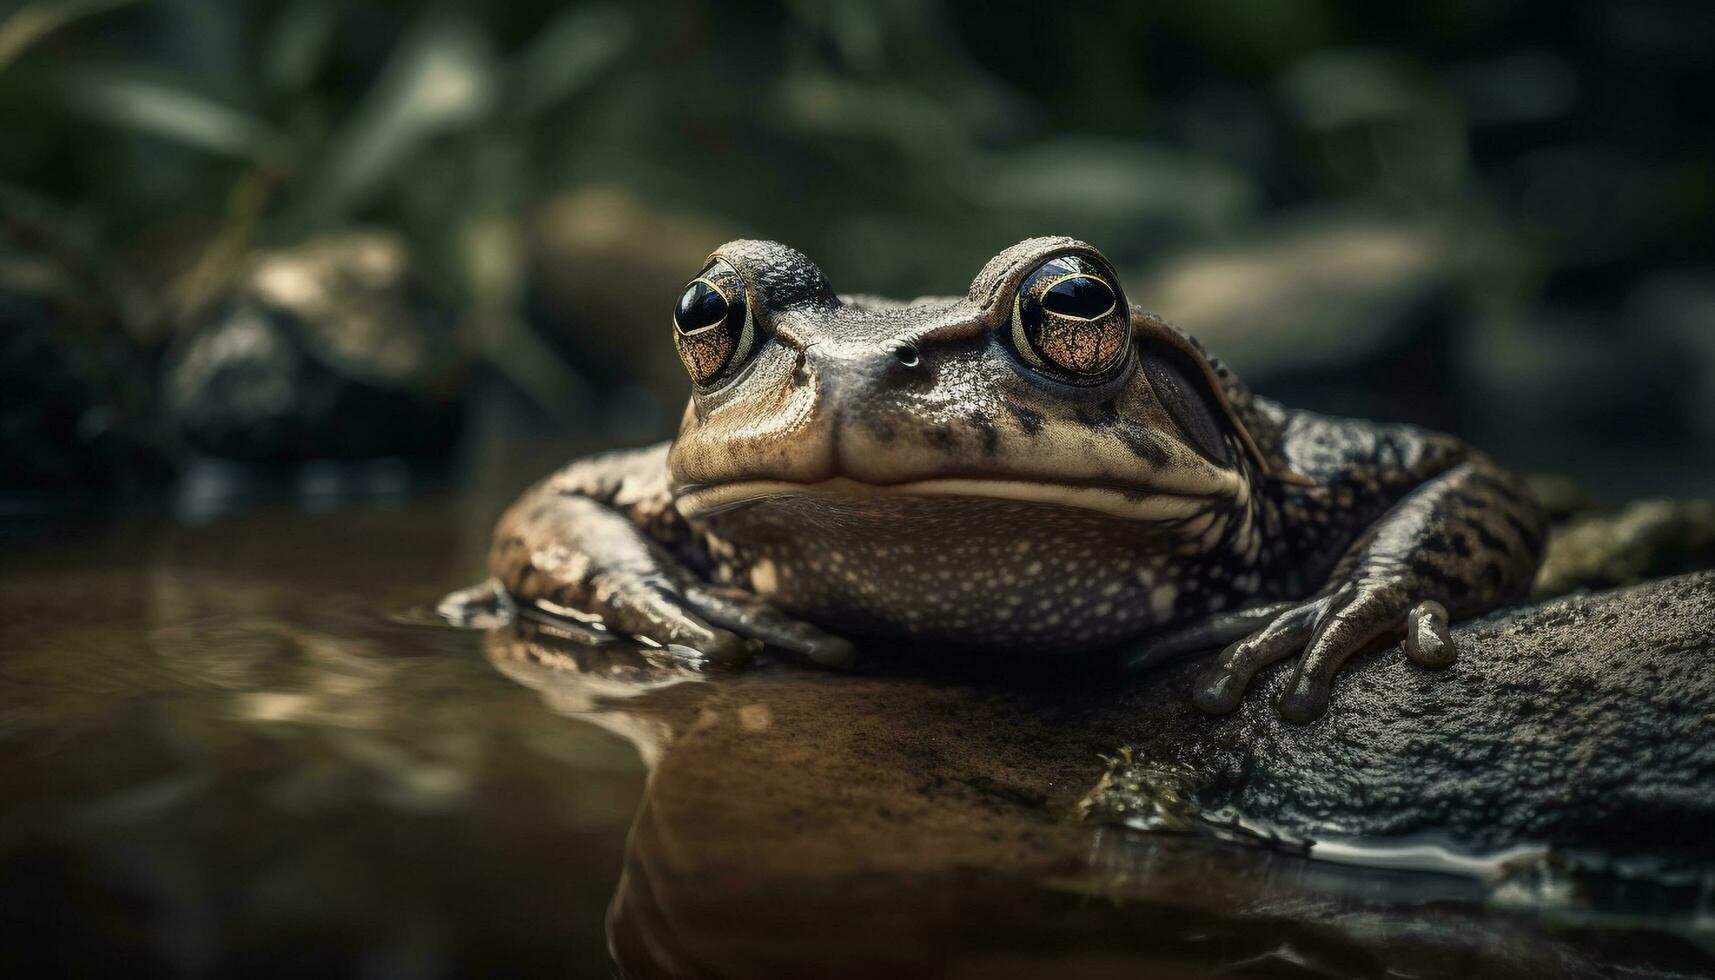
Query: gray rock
[[1580, 724], [333, 349]]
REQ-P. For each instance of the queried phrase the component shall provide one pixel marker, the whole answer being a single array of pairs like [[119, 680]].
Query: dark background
[[1490, 217]]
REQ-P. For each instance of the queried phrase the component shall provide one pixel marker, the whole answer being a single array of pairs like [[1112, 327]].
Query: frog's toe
[[480, 606], [1427, 641], [690, 638], [1356, 617], [649, 608], [1216, 631], [722, 648], [1222, 685], [738, 610]]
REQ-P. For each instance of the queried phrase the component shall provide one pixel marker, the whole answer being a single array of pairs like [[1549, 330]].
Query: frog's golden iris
[[712, 325], [1069, 319]]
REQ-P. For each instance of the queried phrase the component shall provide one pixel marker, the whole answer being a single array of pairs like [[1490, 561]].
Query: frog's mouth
[[701, 501]]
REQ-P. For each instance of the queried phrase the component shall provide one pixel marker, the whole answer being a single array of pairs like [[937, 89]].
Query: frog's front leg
[[1462, 543], [602, 537]]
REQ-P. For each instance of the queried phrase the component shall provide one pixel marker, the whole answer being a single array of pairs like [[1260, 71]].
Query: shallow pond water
[[247, 746]]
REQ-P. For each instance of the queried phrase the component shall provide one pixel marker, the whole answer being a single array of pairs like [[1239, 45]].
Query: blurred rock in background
[[598, 259], [1356, 314], [335, 349], [1645, 539], [77, 398]]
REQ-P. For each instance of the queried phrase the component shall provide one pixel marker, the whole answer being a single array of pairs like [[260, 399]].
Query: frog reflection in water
[[1037, 467]]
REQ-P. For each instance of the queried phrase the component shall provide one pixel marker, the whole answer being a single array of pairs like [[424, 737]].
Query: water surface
[[243, 745]]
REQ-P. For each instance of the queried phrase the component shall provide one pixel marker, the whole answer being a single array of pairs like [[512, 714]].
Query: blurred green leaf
[[1334, 88], [170, 111], [32, 22], [1119, 184], [568, 55], [820, 104], [296, 43], [440, 78]]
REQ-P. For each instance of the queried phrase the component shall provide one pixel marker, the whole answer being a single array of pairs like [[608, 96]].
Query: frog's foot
[[1324, 632], [1469, 538], [696, 621], [480, 606], [573, 557], [1206, 634], [747, 615]]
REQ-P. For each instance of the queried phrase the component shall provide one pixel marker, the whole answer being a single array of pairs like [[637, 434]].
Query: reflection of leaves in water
[[361, 721], [218, 748], [337, 693]]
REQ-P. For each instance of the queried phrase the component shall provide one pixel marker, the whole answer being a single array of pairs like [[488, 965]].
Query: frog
[[1035, 470]]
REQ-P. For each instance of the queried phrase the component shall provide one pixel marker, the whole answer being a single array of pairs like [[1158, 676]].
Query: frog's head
[[1042, 385]]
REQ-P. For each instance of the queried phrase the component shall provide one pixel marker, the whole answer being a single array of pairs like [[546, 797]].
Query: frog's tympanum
[[1036, 467]]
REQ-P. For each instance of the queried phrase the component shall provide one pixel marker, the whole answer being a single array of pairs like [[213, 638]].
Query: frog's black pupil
[[1079, 296], [700, 305]]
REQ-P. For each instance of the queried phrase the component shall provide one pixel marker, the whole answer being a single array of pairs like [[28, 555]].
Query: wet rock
[[1580, 725], [76, 400], [333, 349]]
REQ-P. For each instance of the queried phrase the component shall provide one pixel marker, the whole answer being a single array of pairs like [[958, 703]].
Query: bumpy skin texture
[[1401, 529], [602, 537], [877, 469]]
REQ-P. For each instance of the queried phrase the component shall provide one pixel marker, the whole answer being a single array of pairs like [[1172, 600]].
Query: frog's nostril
[[907, 354]]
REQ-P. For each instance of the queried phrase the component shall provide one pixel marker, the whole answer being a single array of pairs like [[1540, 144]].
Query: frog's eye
[[1068, 318], [712, 325]]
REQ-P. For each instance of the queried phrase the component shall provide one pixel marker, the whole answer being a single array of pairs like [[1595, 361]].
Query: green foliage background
[[559, 167]]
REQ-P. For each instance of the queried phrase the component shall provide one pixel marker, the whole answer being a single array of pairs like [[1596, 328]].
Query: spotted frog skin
[[1037, 467]]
